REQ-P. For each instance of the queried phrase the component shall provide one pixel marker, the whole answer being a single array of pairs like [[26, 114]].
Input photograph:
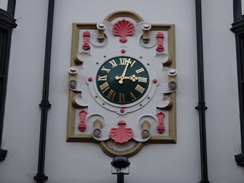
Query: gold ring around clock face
[[122, 80]]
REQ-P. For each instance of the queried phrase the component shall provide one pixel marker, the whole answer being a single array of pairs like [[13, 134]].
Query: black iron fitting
[[239, 159], [204, 181], [45, 104], [3, 154], [201, 107], [40, 177]]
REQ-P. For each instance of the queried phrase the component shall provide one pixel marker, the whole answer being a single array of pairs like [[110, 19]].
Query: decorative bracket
[[101, 28], [145, 129], [97, 128], [146, 28]]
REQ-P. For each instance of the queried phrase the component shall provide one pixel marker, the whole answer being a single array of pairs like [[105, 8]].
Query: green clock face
[[122, 80]]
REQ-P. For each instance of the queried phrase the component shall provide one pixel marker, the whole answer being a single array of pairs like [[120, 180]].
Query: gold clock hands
[[132, 77], [122, 77]]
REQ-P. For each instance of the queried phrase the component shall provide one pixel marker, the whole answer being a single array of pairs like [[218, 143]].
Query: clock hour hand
[[132, 78]]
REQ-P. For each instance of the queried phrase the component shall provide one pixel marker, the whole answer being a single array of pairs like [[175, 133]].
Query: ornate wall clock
[[122, 80], [122, 83]]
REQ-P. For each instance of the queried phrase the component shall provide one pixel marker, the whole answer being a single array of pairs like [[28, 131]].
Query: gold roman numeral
[[111, 94], [131, 65], [104, 69], [104, 87], [139, 88], [139, 70], [121, 97], [142, 79], [113, 63], [132, 96], [122, 61], [102, 78]]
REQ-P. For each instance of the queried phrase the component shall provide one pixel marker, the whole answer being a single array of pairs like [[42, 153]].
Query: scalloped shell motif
[[123, 28], [121, 134]]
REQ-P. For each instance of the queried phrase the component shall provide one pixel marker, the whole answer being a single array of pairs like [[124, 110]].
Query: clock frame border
[[70, 133]]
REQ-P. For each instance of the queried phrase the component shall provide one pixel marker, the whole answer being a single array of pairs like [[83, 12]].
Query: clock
[[122, 80], [122, 83]]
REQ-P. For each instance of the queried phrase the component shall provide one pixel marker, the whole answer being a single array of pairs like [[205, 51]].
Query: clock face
[[122, 80]]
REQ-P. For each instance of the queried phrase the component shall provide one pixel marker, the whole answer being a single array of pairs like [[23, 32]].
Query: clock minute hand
[[126, 67], [122, 77]]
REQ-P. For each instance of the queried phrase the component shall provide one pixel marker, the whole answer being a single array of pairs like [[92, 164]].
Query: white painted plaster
[[85, 162], [4, 4], [242, 6]]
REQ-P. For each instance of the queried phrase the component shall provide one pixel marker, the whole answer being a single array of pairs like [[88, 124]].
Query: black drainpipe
[[45, 105], [201, 94], [238, 29]]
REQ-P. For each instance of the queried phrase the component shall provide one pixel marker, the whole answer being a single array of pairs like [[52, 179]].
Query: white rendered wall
[[4, 4], [22, 115], [242, 6], [85, 162], [222, 116]]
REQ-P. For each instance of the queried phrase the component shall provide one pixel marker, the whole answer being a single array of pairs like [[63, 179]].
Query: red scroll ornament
[[86, 36], [123, 28], [82, 124], [121, 134], [160, 126], [160, 37]]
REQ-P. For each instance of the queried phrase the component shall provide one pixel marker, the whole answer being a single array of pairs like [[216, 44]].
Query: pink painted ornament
[[155, 81], [123, 28], [123, 51], [161, 127], [82, 124], [86, 36], [160, 37], [121, 134], [122, 110], [90, 79]]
